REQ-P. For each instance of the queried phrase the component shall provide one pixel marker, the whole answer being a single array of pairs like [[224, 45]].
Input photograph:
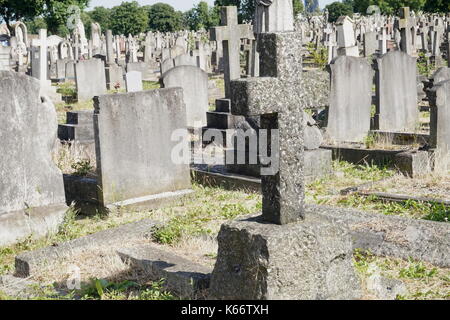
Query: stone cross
[[383, 41], [230, 33], [109, 48], [43, 64], [405, 30], [278, 97]]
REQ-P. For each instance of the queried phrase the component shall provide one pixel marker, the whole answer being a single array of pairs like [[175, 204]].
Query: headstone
[[439, 97], [109, 47], [441, 74], [5, 58], [90, 79], [133, 81], [370, 43], [194, 82], [274, 16], [351, 99], [346, 37], [32, 199], [133, 138], [397, 108], [230, 34]]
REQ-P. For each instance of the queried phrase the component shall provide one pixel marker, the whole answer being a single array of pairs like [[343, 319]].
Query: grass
[[325, 191], [422, 280], [150, 85]]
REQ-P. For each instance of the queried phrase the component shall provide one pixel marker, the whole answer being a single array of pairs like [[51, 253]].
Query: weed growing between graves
[[199, 214], [150, 85], [325, 191], [318, 55], [75, 158], [422, 280]]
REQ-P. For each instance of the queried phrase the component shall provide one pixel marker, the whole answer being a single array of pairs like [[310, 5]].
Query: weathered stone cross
[[405, 30], [277, 95], [228, 35], [43, 63]]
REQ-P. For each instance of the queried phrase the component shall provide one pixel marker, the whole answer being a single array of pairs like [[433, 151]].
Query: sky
[[182, 5]]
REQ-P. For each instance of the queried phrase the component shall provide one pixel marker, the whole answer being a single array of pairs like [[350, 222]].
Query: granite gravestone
[[350, 99], [133, 141]]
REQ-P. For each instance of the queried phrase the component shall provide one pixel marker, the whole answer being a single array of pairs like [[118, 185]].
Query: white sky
[[182, 5]]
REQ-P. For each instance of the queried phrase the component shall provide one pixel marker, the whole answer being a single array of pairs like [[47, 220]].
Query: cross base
[[311, 260]]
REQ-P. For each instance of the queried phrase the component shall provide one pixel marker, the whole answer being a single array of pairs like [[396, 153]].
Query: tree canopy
[[164, 18], [202, 17], [128, 18], [337, 9]]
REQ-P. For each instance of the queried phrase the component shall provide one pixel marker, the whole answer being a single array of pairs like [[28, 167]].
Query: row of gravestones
[[349, 115], [379, 34]]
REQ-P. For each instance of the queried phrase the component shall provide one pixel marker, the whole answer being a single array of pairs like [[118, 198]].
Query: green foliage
[[392, 6], [33, 25], [298, 7], [417, 270], [319, 55], [337, 9], [101, 15], [56, 14], [16, 10], [164, 18], [442, 6], [424, 66], [202, 17], [129, 18], [126, 290], [82, 167]]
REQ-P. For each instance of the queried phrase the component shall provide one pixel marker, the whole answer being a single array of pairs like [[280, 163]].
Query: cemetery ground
[[188, 228]]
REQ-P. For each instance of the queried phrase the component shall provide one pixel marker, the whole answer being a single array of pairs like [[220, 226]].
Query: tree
[[442, 6], [33, 25], [388, 6], [337, 9], [129, 18], [101, 15], [57, 14], [298, 7], [16, 10], [201, 17], [163, 17]]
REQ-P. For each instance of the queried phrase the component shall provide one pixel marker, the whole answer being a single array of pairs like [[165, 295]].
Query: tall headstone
[[230, 34], [396, 86], [346, 37], [133, 140], [439, 97], [350, 99], [32, 199]]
